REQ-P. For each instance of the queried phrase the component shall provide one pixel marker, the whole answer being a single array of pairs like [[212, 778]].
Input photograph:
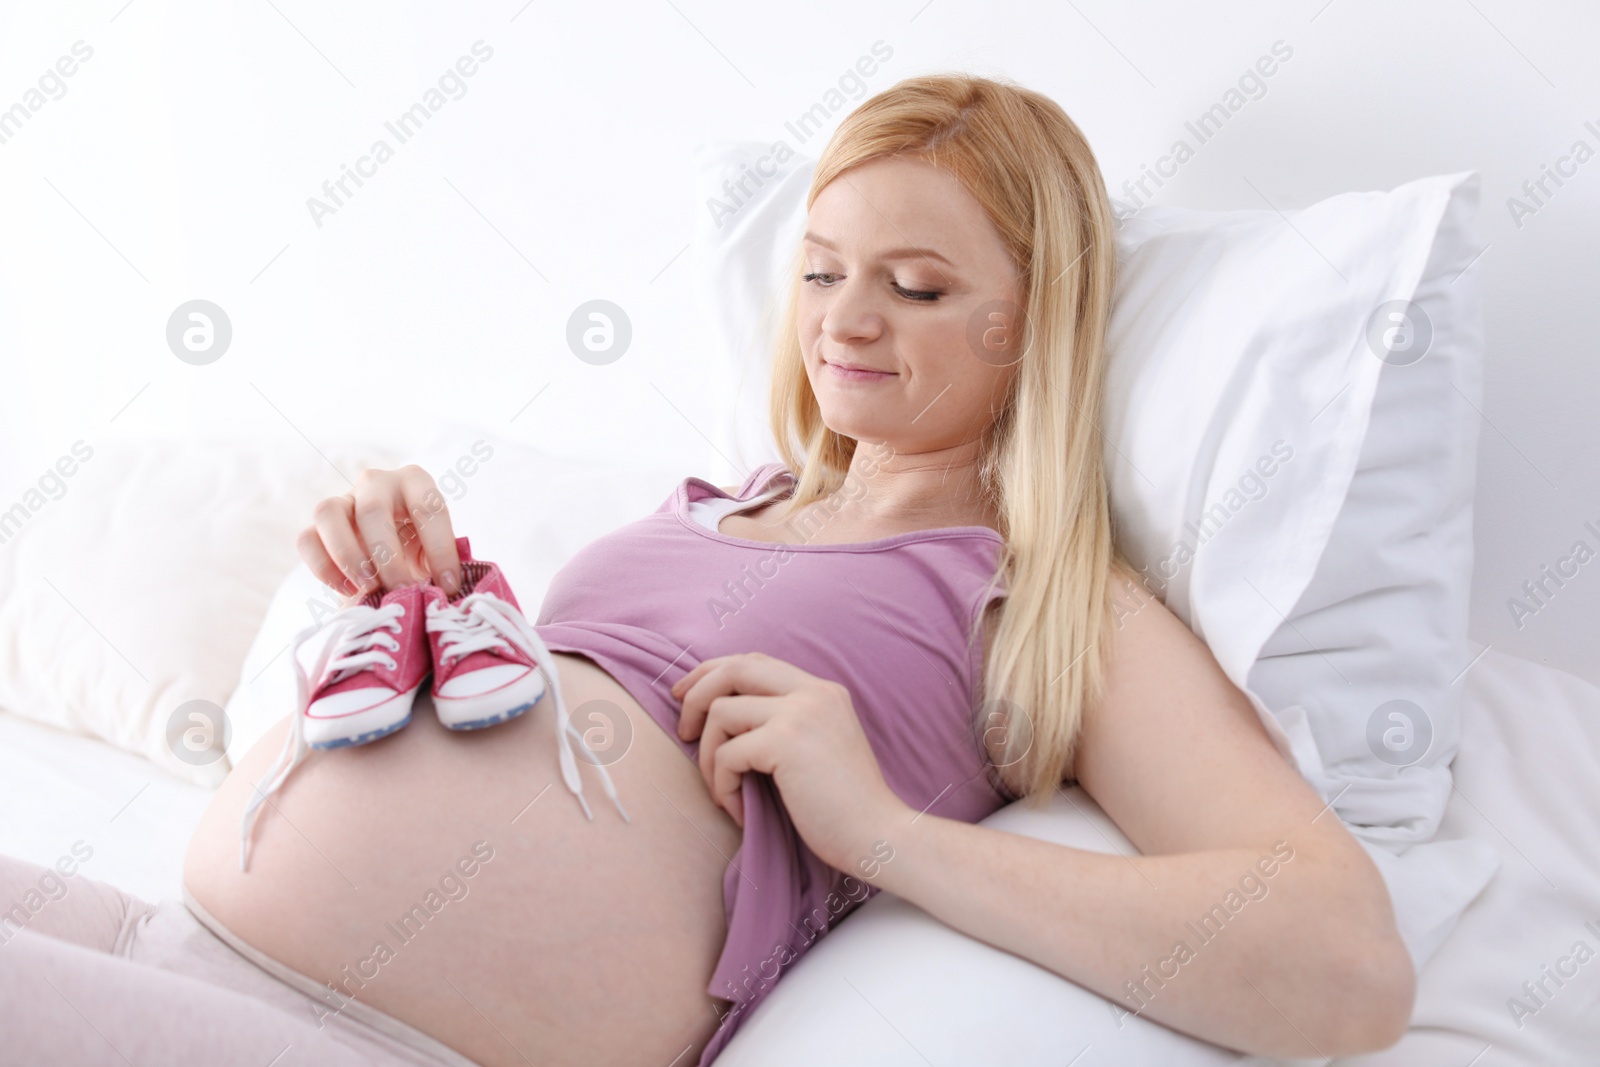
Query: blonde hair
[[1031, 169]]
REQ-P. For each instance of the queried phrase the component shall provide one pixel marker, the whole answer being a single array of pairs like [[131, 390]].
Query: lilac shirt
[[888, 619]]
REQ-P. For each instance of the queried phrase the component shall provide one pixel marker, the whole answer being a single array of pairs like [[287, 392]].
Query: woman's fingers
[[392, 529], [430, 519], [734, 760], [334, 521], [309, 545], [732, 719], [379, 510], [743, 672]]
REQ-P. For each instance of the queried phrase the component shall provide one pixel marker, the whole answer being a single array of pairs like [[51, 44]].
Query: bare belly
[[575, 942]]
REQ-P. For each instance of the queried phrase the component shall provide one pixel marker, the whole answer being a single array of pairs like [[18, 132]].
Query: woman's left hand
[[753, 712]]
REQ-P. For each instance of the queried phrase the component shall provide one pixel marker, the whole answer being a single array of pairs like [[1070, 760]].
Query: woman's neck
[[921, 490]]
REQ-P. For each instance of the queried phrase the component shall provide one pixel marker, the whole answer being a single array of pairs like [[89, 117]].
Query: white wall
[[179, 160]]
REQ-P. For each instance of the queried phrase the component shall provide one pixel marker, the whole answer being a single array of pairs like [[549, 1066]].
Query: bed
[[1526, 777], [1528, 784]]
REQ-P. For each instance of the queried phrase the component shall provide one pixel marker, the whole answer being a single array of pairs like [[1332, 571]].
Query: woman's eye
[[916, 294], [826, 279]]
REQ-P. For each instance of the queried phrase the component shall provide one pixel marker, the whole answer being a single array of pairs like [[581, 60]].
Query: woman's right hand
[[392, 529]]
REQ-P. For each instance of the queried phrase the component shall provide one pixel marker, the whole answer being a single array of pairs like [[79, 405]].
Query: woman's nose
[[852, 315]]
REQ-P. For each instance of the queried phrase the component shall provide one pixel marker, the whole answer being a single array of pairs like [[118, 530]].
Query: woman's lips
[[856, 374]]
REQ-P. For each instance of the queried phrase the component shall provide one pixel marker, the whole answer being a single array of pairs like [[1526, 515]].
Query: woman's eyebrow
[[893, 253]]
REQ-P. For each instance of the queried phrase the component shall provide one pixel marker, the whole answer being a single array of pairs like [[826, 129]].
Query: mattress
[[1527, 782]]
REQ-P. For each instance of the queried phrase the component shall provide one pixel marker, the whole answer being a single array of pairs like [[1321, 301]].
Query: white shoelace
[[362, 641], [478, 621], [482, 621]]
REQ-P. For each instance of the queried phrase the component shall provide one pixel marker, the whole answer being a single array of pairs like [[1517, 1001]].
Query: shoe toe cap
[[484, 680], [350, 702]]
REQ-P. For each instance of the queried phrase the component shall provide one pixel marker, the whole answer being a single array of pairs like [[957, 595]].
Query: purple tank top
[[888, 619]]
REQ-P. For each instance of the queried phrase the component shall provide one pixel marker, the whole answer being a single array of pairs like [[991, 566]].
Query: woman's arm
[[1253, 920]]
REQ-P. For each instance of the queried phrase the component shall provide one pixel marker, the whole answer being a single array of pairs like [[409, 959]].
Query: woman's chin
[[859, 430], [854, 417]]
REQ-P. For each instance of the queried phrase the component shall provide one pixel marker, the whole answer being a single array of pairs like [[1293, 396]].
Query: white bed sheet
[[57, 788], [1528, 782]]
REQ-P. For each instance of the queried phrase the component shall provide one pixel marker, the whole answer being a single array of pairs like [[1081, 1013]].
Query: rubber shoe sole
[[361, 727], [361, 739], [493, 720], [489, 709]]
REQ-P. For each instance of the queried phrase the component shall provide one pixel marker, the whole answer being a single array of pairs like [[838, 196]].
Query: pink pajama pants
[[91, 975]]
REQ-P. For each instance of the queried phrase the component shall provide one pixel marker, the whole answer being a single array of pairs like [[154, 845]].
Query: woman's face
[[906, 278]]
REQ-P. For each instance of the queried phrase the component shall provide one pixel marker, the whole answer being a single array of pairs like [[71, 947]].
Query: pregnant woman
[[812, 685]]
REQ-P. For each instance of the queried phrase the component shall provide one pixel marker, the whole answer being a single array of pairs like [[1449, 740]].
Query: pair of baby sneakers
[[487, 663], [386, 645]]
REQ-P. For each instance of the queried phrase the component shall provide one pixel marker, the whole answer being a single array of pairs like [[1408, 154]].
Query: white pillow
[[1234, 334], [898, 988], [1335, 585], [128, 601], [525, 509], [1374, 650]]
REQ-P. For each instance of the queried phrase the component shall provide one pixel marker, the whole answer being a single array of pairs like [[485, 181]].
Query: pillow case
[[1251, 355], [1292, 440], [129, 600]]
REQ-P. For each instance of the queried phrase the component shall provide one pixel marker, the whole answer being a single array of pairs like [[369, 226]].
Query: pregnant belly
[[571, 942]]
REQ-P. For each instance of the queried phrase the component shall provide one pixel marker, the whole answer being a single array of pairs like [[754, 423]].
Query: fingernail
[[449, 582]]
